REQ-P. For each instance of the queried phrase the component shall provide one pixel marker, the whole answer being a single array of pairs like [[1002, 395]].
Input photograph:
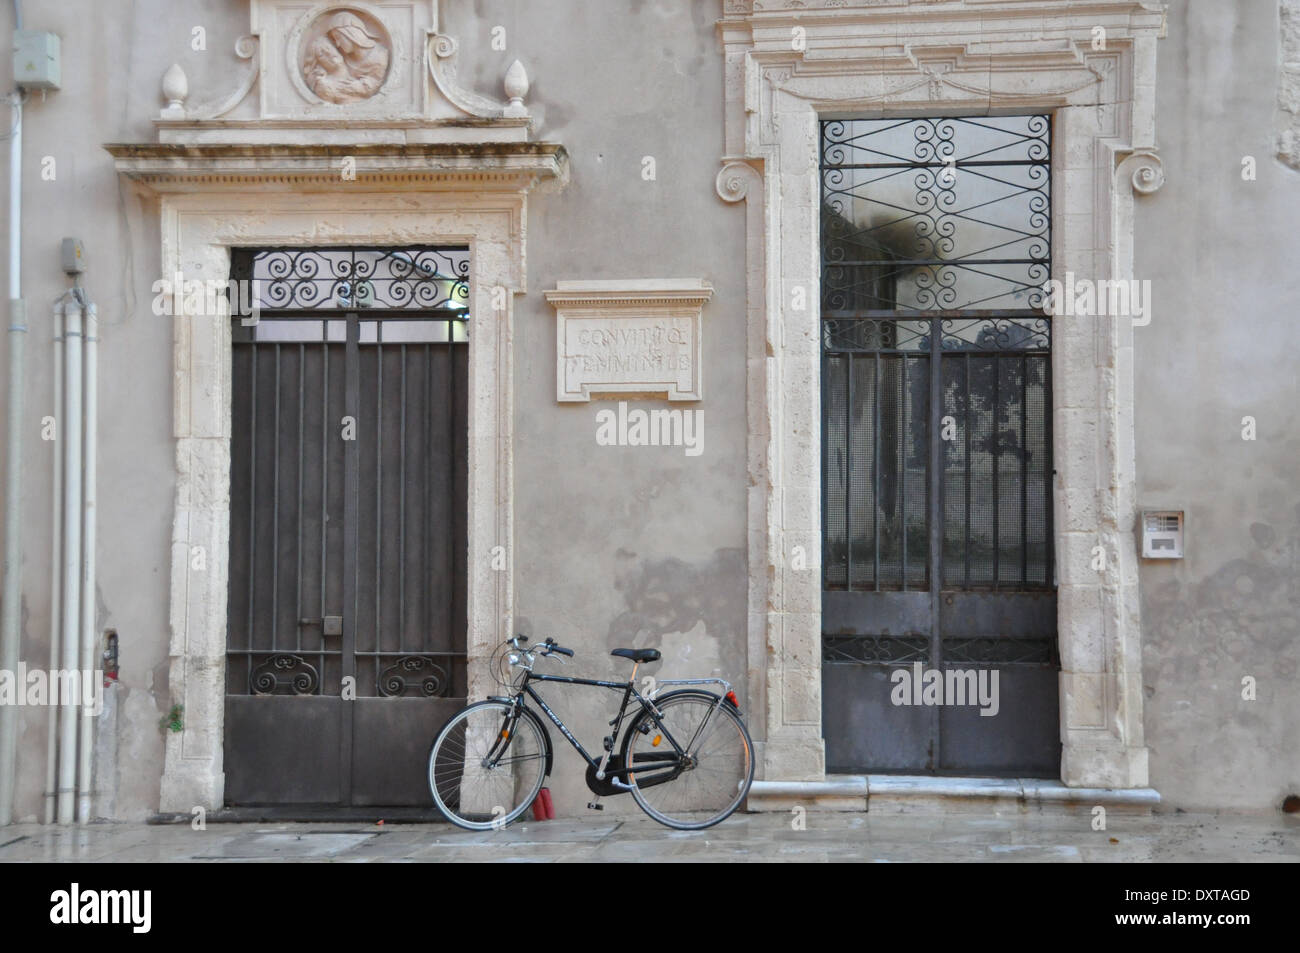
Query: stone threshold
[[893, 793]]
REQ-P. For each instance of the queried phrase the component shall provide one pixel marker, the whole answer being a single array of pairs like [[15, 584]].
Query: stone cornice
[[616, 293], [910, 10], [174, 167]]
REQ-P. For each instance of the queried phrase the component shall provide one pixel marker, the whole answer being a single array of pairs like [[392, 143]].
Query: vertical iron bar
[[848, 359], [252, 501], [297, 602], [935, 508], [902, 475], [1024, 471], [275, 509], [1049, 472], [825, 471], [426, 574], [324, 488], [997, 489], [401, 516], [451, 484], [379, 497], [875, 469], [351, 562], [968, 425]]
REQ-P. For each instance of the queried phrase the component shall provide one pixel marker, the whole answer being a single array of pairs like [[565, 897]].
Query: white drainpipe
[[11, 614], [56, 571], [88, 601], [71, 559]]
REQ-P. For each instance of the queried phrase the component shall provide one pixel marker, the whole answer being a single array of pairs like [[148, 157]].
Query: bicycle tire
[[670, 707], [446, 770]]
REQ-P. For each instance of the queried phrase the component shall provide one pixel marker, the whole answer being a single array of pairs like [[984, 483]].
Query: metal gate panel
[[936, 441], [348, 533]]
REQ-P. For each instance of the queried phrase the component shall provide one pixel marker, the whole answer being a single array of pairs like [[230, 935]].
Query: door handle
[[330, 624]]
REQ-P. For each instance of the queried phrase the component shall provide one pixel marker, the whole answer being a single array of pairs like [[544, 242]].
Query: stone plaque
[[629, 337]]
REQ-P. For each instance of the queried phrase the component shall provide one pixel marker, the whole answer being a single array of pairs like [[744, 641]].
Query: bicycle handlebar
[[546, 648]]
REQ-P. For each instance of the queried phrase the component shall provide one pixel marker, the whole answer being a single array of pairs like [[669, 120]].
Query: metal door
[[936, 448], [346, 612]]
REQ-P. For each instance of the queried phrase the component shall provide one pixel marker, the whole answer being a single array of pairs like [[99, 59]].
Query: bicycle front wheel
[[711, 777], [487, 765]]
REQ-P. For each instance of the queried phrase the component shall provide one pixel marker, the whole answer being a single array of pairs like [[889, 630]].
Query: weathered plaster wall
[[646, 546], [1220, 253], [113, 56], [624, 546]]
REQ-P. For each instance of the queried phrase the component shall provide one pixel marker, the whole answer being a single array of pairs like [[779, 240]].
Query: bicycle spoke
[[715, 774], [483, 773]]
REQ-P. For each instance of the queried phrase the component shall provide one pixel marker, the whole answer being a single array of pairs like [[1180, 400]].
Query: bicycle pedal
[[593, 806]]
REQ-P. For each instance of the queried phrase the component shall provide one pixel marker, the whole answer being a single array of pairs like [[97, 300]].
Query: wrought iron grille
[[995, 460], [325, 279], [935, 214]]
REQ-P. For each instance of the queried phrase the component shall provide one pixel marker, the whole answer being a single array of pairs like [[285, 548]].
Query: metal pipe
[[10, 612], [71, 559], [56, 572], [90, 387]]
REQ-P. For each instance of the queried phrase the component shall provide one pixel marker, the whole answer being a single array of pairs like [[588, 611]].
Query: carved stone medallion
[[345, 55]]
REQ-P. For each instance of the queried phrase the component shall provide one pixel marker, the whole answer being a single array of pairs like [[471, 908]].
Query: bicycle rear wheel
[[487, 765], [711, 780]]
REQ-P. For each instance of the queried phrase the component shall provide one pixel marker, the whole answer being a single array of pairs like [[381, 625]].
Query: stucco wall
[[646, 546], [624, 546], [1221, 255]]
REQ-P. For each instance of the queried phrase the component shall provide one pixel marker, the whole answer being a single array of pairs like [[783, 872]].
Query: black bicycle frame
[[629, 693]]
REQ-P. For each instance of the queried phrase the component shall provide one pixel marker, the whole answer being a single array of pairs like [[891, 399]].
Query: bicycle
[[686, 757]]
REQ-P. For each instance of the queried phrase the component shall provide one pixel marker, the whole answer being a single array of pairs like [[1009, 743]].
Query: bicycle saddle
[[637, 655]]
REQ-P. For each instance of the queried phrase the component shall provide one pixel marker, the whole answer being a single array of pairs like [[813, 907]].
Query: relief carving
[[345, 56]]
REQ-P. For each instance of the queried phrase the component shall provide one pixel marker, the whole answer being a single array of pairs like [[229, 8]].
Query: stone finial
[[516, 84], [175, 88]]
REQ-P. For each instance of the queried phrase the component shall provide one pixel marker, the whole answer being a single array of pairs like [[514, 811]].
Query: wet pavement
[[866, 837]]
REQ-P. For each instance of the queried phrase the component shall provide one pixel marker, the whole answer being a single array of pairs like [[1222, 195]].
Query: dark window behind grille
[[997, 473], [935, 214]]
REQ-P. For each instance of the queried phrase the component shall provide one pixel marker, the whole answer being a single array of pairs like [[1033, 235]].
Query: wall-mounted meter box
[[37, 64], [1162, 534]]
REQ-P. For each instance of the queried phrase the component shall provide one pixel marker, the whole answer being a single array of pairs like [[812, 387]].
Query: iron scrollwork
[[284, 674], [936, 214], [414, 671], [313, 279]]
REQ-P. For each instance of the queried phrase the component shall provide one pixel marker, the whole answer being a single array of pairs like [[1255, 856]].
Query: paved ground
[[752, 837]]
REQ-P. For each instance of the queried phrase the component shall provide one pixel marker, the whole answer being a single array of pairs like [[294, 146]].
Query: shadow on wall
[[694, 613]]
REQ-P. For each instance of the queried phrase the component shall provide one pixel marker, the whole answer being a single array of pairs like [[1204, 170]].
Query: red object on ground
[[543, 809]]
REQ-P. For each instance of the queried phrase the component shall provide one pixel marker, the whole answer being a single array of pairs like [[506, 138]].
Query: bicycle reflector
[[731, 699]]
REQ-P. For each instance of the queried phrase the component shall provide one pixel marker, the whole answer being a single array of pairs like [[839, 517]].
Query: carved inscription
[[628, 340]]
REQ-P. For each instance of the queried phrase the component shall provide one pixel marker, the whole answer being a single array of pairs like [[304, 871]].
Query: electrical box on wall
[[73, 255], [37, 64], [1162, 534]]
